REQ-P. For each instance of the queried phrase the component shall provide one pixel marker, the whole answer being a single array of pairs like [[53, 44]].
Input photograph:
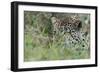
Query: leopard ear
[[78, 24]]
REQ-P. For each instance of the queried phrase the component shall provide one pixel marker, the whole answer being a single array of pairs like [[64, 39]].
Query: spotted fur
[[70, 25]]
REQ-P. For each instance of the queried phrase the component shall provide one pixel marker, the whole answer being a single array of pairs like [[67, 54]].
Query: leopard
[[71, 25], [72, 29]]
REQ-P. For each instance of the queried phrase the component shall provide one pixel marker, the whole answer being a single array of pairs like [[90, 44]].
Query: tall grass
[[40, 44]]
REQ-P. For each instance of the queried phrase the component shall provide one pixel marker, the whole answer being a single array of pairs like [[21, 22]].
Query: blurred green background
[[38, 38]]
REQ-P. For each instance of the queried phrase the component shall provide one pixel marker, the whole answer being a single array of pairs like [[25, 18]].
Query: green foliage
[[41, 44]]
